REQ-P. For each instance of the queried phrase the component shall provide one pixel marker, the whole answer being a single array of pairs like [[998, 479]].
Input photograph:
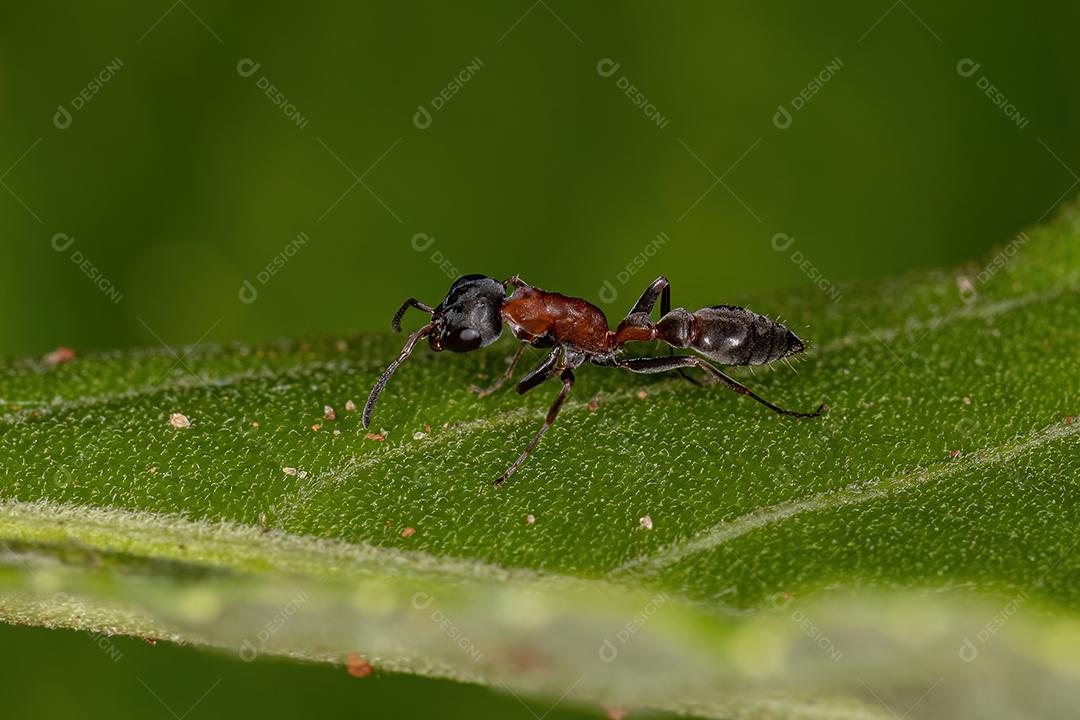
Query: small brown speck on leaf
[[408, 532], [289, 471], [615, 713], [316, 427], [152, 469], [1069, 420], [526, 659], [179, 421], [954, 453], [594, 403], [646, 522], [341, 346], [530, 518], [642, 394], [375, 436], [358, 666], [254, 423], [967, 401], [350, 406], [328, 413], [427, 427], [59, 356]]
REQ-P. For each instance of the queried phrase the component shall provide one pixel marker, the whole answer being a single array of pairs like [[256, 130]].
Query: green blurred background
[[179, 178], [171, 178]]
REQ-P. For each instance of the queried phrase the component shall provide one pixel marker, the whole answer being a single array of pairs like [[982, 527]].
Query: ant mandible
[[473, 313]]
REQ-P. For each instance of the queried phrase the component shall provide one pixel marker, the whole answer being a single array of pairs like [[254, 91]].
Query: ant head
[[469, 317]]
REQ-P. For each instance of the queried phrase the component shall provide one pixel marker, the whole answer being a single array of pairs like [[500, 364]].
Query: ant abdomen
[[729, 335]]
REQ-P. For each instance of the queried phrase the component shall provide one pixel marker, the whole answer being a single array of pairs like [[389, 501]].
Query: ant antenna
[[411, 302], [405, 352]]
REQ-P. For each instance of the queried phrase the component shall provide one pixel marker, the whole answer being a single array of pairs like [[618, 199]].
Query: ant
[[473, 313]]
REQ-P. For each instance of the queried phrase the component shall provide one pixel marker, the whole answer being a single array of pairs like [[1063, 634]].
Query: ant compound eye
[[463, 340]]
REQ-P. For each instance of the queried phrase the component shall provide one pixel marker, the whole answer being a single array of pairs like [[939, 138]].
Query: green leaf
[[919, 541]]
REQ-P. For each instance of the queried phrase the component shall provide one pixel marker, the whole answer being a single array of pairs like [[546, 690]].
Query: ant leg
[[484, 392], [411, 302], [660, 288], [542, 373], [369, 406], [665, 308], [568, 382], [647, 301], [516, 281], [662, 364]]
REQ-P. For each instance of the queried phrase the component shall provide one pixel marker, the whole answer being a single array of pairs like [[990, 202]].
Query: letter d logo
[[62, 118], [967, 67], [422, 118], [608, 293], [782, 118], [607, 67], [61, 242], [421, 241], [248, 294], [781, 242], [246, 67], [247, 651]]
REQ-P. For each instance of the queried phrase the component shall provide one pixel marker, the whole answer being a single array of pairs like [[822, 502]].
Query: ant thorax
[[543, 318]]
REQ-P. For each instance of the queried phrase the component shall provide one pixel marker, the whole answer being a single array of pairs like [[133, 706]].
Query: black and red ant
[[473, 313]]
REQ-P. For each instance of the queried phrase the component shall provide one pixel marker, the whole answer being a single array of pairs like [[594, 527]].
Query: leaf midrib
[[851, 494]]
